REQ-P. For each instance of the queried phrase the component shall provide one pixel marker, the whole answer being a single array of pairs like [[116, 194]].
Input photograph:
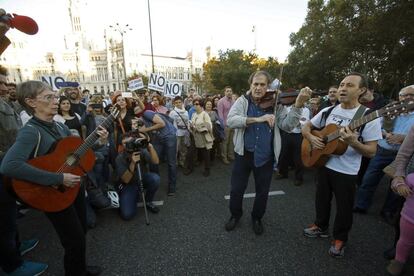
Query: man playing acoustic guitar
[[339, 175], [36, 139]]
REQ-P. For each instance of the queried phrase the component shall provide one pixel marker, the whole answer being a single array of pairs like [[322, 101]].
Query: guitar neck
[[356, 124], [91, 139]]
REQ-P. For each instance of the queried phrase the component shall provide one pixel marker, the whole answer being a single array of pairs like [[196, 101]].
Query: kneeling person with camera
[[137, 153]]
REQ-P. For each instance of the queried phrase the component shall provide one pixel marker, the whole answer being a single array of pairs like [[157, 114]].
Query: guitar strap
[[38, 142]]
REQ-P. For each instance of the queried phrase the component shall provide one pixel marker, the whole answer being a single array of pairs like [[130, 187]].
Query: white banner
[[157, 82], [135, 84], [173, 89], [53, 81]]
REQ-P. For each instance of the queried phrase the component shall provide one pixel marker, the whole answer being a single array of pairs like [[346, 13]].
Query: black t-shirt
[[79, 108], [74, 124]]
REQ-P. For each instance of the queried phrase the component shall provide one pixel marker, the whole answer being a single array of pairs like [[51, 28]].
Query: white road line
[[156, 203], [251, 195]]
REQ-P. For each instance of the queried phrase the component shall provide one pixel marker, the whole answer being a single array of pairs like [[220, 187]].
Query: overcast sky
[[178, 26]]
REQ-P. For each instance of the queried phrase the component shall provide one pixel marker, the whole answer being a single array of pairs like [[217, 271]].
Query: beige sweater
[[202, 130]]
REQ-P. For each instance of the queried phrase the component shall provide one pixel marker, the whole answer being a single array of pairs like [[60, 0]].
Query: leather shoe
[[279, 176], [232, 223], [152, 208], [257, 226], [92, 270]]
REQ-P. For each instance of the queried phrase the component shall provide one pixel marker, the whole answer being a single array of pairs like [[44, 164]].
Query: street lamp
[[122, 30]]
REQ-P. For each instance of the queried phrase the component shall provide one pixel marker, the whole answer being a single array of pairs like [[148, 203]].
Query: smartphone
[[126, 94]]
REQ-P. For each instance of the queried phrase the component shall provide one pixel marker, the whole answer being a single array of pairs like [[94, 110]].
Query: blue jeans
[[372, 178], [243, 166], [167, 146], [10, 258], [129, 195]]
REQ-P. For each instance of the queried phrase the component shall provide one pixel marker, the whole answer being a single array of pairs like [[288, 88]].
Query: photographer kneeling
[[137, 151]]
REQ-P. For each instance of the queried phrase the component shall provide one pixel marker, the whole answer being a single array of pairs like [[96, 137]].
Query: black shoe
[[206, 172], [187, 171], [257, 226], [92, 270], [298, 182], [152, 208], [359, 211], [388, 217], [232, 223], [279, 176], [389, 254]]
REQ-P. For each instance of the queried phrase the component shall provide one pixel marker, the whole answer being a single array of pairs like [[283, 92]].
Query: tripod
[[141, 187]]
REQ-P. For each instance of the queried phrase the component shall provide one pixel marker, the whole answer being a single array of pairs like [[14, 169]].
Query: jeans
[[167, 146], [128, 196], [372, 178], [242, 167], [10, 258]]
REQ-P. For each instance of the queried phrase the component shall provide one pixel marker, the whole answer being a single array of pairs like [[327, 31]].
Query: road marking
[[251, 195], [156, 203]]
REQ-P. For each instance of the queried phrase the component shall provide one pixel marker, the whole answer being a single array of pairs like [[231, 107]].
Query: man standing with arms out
[[257, 145], [223, 108], [339, 175]]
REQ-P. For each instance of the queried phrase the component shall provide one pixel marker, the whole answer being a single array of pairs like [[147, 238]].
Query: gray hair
[[30, 89], [261, 73]]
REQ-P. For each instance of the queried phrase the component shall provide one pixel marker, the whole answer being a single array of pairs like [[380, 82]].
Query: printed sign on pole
[[173, 89], [135, 84], [54, 81], [157, 82]]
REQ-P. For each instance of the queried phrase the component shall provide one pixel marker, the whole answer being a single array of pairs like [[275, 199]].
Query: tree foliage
[[375, 37], [233, 68]]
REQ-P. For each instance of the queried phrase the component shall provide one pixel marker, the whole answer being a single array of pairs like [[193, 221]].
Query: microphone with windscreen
[[22, 23]]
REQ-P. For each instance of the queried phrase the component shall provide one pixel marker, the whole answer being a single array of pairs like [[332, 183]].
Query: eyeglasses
[[50, 97]]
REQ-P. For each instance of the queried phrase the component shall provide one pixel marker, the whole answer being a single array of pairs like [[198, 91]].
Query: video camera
[[136, 144]]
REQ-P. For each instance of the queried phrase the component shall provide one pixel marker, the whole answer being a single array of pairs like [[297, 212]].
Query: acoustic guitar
[[70, 155], [312, 157]]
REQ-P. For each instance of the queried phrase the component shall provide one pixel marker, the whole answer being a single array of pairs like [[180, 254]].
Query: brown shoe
[[225, 161], [395, 267]]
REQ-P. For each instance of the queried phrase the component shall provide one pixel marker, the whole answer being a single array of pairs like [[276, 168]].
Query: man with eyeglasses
[[386, 152]]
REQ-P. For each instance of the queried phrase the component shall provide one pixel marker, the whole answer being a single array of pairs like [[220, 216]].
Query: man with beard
[[75, 97]]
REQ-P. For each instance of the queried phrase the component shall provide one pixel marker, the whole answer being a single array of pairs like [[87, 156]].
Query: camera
[[136, 144]]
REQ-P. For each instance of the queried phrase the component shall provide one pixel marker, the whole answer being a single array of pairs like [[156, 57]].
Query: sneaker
[[395, 267], [29, 269], [232, 223], [314, 231], [337, 249], [152, 208], [27, 245]]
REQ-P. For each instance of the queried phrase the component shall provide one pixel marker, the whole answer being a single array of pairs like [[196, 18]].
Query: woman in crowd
[[158, 104], [217, 125], [66, 116], [124, 121], [203, 134], [403, 184]]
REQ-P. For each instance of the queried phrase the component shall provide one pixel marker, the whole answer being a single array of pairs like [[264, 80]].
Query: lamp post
[[122, 30], [150, 29]]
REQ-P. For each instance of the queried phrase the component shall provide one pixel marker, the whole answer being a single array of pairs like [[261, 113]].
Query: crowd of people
[[255, 132]]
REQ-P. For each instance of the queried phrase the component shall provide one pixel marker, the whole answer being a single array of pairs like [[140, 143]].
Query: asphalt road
[[187, 237]]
